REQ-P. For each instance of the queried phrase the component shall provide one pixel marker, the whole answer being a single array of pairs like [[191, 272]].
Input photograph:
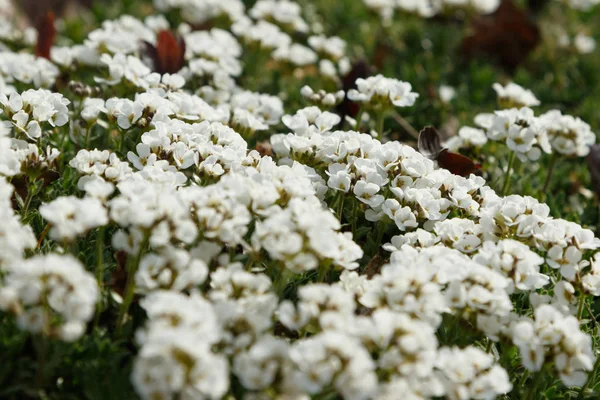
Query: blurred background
[[451, 60]]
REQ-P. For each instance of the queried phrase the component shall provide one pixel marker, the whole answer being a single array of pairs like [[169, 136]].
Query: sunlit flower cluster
[[233, 231]]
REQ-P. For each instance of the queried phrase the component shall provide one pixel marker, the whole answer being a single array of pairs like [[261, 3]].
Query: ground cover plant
[[229, 199]]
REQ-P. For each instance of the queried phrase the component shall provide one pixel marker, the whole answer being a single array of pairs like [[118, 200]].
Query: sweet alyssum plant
[[176, 226]]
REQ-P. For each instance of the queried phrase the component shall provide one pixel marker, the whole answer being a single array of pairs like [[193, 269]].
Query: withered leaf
[[507, 36]]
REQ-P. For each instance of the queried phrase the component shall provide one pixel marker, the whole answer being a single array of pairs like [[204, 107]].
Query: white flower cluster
[[31, 110], [71, 217], [199, 11], [521, 131], [275, 19], [247, 265], [286, 13], [513, 95], [304, 237], [25, 68], [479, 6], [557, 336], [525, 133], [516, 261], [379, 92], [16, 238], [582, 4], [176, 356], [321, 98], [393, 181], [471, 373], [568, 135], [386, 8], [171, 269], [467, 137], [19, 156], [426, 9], [52, 295]]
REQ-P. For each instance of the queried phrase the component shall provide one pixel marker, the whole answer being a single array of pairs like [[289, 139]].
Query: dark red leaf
[[171, 52], [430, 146], [168, 56], [46, 33], [457, 163], [507, 36]]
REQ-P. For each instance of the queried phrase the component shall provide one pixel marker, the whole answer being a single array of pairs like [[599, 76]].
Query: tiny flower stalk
[[511, 161], [553, 161], [31, 192], [590, 378], [132, 266], [99, 271], [42, 349], [340, 205], [380, 121], [359, 119], [536, 379], [580, 306]]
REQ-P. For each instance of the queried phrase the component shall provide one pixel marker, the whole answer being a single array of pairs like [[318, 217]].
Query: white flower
[[446, 93], [467, 137], [284, 12], [379, 90], [567, 135], [171, 269], [333, 47], [52, 294], [367, 193], [471, 373], [33, 108], [516, 261], [584, 44], [71, 217], [125, 67], [513, 95], [331, 359], [522, 132], [559, 337], [177, 362], [339, 177], [295, 54]]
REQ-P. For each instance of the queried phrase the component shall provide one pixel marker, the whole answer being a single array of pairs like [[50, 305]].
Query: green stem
[[580, 306], [380, 119], [340, 209], [381, 228], [99, 271], [130, 286], [122, 144], [589, 379], [511, 161], [354, 217], [405, 125], [322, 273], [42, 358], [30, 194], [283, 279], [249, 262], [87, 138], [100, 257], [533, 386], [553, 160], [359, 119]]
